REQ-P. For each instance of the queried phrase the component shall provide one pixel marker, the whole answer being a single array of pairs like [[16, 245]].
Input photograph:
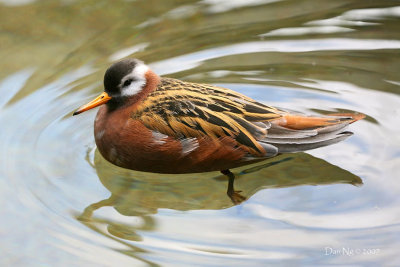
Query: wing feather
[[186, 110]]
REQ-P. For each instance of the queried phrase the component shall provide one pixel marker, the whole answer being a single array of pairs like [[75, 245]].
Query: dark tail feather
[[294, 133], [299, 146]]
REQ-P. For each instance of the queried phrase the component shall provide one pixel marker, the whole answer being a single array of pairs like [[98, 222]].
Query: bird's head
[[122, 81]]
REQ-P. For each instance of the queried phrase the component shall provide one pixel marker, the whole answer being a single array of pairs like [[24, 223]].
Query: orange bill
[[100, 100]]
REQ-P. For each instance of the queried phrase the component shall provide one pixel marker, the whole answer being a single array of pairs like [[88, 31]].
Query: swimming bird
[[163, 125]]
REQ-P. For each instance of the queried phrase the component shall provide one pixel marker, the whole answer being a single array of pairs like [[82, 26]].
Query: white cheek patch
[[138, 75]]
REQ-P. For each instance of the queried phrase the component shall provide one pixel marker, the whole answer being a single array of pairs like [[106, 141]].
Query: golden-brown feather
[[182, 110]]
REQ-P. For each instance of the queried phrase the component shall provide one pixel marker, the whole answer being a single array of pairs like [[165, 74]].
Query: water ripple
[[63, 204]]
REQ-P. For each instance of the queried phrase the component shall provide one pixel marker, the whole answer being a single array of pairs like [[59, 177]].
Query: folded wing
[[189, 110]]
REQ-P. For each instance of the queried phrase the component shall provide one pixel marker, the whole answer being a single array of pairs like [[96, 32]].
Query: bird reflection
[[142, 194]]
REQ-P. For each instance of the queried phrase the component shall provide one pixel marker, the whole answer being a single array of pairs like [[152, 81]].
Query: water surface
[[64, 205]]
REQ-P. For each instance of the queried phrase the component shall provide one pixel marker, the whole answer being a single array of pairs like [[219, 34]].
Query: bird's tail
[[293, 133]]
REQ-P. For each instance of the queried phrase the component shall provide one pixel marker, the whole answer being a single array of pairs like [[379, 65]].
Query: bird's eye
[[128, 82]]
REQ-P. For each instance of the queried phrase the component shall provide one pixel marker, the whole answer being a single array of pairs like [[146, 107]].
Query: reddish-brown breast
[[126, 142], [129, 144]]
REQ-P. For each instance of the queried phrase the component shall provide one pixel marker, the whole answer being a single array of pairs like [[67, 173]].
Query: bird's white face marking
[[135, 81]]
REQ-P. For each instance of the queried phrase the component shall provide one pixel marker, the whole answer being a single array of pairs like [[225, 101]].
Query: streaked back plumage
[[186, 110]]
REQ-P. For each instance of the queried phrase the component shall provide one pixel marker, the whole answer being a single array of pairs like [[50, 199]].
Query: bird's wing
[[186, 110]]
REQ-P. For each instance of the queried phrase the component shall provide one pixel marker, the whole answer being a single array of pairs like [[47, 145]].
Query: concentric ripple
[[64, 205]]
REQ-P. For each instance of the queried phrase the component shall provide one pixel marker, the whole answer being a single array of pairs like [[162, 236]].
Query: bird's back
[[191, 110]]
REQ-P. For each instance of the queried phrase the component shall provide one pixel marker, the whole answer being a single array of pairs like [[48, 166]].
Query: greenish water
[[62, 204]]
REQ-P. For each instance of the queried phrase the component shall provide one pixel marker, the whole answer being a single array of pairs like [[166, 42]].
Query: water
[[64, 205]]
